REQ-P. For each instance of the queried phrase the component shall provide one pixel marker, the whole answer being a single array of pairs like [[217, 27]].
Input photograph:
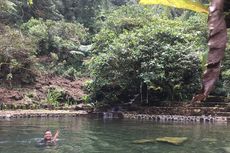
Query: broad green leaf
[[184, 4]]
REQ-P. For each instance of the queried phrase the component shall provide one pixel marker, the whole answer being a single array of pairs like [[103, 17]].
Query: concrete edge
[[40, 113]]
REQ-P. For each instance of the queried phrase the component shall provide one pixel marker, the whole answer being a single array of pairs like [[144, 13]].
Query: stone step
[[215, 103], [178, 118], [215, 98], [202, 104], [223, 113]]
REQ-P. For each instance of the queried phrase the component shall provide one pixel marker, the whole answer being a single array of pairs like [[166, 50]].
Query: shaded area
[[227, 12]]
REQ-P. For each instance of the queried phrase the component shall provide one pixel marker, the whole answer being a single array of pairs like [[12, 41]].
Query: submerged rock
[[226, 149], [172, 140], [67, 148], [84, 106], [209, 140], [143, 141]]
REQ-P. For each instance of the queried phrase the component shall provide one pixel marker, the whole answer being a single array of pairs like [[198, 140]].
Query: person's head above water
[[48, 135]]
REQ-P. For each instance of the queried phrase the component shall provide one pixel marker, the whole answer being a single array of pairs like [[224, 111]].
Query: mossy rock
[[143, 141], [172, 140]]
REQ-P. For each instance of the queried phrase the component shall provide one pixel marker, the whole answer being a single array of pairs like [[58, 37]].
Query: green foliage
[[8, 11], [137, 53], [225, 76], [86, 98], [83, 11], [17, 58], [125, 18], [53, 97], [7, 6], [30, 2], [226, 81], [60, 41], [56, 36], [58, 97], [140, 53]]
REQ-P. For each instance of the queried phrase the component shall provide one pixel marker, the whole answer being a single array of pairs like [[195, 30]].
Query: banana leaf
[[184, 4]]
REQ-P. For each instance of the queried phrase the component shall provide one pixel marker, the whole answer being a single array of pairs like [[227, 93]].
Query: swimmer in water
[[49, 139]]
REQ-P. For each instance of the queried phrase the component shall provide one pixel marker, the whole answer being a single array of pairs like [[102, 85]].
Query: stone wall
[[177, 118]]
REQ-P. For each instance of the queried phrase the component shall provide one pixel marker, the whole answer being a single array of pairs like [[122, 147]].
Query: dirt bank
[[37, 92]]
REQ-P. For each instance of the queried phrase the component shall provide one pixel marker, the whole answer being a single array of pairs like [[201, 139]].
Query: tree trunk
[[217, 44]]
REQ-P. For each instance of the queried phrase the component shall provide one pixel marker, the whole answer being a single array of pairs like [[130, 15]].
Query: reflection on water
[[83, 135]]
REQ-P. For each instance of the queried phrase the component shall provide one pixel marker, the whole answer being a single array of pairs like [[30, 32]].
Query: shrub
[[60, 41], [53, 97], [153, 59], [17, 58], [58, 97], [55, 36]]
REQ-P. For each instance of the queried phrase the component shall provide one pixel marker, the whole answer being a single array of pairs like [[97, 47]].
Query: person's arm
[[56, 135]]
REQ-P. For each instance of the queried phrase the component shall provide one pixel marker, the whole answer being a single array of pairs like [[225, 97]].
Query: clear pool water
[[84, 135]]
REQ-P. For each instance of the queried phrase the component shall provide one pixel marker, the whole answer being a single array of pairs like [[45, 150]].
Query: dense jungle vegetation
[[127, 52]]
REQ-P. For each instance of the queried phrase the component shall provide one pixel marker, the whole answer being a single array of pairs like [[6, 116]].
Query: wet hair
[[47, 130]]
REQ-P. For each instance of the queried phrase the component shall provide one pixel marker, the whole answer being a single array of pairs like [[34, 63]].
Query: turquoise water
[[84, 135]]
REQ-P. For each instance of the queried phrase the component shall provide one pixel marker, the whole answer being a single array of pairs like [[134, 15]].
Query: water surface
[[84, 135]]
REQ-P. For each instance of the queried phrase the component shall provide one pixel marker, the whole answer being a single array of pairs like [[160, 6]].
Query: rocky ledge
[[5, 114], [177, 118]]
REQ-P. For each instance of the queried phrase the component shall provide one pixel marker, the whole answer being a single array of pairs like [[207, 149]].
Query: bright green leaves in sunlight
[[30, 2], [184, 4]]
